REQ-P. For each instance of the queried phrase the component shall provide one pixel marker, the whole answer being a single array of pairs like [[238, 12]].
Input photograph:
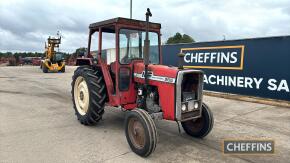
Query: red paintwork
[[113, 100], [158, 70], [127, 99], [166, 90], [36, 61]]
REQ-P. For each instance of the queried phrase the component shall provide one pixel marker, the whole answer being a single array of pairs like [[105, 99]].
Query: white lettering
[[194, 57], [220, 80], [213, 56], [240, 82], [272, 84], [234, 57], [206, 57], [258, 82], [200, 57], [185, 57], [210, 81], [225, 57], [283, 86], [205, 79], [248, 82], [269, 147]]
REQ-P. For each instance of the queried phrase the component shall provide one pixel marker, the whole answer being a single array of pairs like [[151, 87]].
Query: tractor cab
[[125, 48]]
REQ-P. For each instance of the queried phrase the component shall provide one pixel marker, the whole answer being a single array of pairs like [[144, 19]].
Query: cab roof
[[123, 21]]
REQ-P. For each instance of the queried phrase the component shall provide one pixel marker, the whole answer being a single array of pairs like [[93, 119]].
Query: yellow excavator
[[54, 60]]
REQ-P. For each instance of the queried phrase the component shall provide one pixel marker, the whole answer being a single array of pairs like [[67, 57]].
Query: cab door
[[129, 50]]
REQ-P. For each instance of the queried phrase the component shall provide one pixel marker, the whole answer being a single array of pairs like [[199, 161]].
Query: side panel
[[129, 95], [166, 93], [167, 100]]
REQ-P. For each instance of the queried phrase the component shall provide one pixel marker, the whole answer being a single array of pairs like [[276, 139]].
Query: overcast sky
[[26, 24]]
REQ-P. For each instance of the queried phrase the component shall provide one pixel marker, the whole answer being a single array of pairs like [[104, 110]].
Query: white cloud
[[26, 24]]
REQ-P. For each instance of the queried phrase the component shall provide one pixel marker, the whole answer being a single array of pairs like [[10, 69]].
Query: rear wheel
[[89, 94], [44, 68], [140, 132], [200, 127]]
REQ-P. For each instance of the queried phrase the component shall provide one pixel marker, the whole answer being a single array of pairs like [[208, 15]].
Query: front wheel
[[44, 68], [140, 132], [62, 69], [200, 127]]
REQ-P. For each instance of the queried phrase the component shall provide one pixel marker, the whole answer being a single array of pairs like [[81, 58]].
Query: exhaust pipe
[[147, 47], [180, 60]]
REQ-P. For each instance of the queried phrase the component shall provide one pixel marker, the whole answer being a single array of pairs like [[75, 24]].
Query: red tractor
[[139, 84]]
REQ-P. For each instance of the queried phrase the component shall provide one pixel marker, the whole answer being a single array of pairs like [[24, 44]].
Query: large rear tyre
[[44, 68], [89, 95], [200, 127], [140, 132]]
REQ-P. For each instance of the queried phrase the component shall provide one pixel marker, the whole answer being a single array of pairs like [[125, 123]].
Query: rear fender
[[84, 61]]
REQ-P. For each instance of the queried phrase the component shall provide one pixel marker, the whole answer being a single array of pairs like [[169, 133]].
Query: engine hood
[[158, 72]]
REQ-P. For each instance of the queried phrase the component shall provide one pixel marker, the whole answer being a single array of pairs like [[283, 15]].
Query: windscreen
[[131, 44], [59, 56]]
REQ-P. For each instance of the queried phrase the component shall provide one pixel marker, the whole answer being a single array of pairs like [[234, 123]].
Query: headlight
[[195, 105], [183, 107]]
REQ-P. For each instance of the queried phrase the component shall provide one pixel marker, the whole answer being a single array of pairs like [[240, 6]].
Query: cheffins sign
[[218, 57], [253, 67]]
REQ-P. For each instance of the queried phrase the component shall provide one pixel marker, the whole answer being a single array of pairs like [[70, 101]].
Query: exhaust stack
[[147, 47]]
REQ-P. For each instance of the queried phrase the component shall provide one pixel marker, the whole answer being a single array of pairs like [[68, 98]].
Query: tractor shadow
[[169, 138]]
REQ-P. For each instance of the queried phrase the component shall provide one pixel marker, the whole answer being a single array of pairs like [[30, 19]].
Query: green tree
[[178, 38]]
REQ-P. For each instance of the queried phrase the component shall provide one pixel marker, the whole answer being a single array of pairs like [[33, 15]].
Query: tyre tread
[[97, 96]]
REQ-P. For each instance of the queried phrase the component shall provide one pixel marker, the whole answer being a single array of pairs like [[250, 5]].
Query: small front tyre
[[140, 132], [44, 69], [62, 69], [200, 127]]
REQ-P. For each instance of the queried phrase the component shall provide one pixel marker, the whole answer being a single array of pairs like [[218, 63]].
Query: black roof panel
[[123, 21]]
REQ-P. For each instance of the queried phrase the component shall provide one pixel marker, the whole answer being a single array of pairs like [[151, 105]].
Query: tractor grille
[[189, 87]]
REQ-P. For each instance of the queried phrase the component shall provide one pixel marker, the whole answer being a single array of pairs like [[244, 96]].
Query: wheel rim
[[81, 95], [136, 133], [197, 124]]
